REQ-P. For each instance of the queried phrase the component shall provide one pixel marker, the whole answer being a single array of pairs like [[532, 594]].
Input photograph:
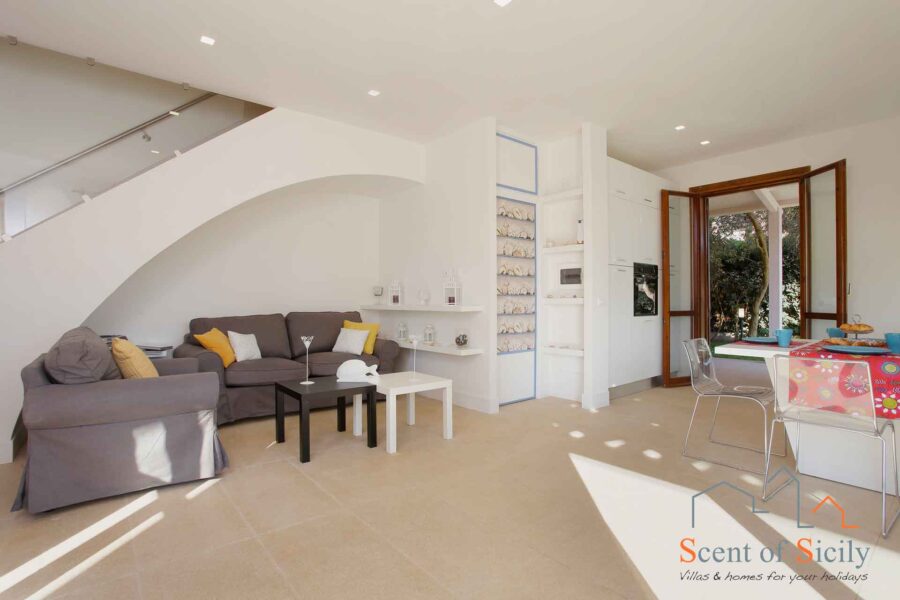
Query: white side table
[[409, 383]]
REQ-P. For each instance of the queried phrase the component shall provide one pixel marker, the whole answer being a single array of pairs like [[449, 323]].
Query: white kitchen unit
[[635, 336]]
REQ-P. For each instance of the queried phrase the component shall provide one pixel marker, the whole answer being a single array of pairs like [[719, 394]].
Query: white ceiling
[[741, 73], [786, 195]]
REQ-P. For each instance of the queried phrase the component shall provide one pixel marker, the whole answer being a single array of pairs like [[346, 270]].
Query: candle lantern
[[451, 291], [396, 293]]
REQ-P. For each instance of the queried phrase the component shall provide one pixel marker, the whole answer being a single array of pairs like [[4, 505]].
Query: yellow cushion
[[132, 361], [372, 328], [216, 341]]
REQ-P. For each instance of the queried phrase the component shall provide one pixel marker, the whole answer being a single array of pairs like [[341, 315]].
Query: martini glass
[[307, 340]]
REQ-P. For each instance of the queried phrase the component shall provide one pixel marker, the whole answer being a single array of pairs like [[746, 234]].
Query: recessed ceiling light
[[374, 93], [205, 39], [502, 2], [155, 151], [704, 143], [679, 128], [174, 113]]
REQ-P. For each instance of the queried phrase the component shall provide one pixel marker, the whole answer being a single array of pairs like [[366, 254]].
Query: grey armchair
[[115, 436]]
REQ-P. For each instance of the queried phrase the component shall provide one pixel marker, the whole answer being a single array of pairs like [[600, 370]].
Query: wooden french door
[[823, 249], [685, 279]]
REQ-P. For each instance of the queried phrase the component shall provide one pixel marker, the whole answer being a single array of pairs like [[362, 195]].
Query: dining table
[[829, 453]]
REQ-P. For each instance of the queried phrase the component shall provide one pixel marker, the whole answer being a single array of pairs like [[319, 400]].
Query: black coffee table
[[323, 388]]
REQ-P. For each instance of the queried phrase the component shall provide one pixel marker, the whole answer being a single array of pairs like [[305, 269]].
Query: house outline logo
[[792, 481], [834, 503], [718, 485]]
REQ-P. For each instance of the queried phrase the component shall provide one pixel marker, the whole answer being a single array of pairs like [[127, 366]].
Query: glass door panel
[[681, 242], [823, 250]]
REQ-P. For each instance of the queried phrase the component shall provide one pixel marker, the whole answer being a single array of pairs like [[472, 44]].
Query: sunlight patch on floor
[[751, 480], [614, 443], [576, 434], [96, 557], [201, 488], [45, 558], [650, 453], [650, 517]]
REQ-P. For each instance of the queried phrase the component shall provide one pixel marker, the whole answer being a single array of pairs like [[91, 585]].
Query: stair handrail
[[169, 113]]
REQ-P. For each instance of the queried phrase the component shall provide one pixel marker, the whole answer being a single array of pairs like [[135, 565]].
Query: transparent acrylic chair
[[707, 385], [853, 413]]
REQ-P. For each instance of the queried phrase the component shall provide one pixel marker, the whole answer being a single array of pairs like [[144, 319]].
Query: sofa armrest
[[176, 366], [387, 352], [119, 400], [210, 362]]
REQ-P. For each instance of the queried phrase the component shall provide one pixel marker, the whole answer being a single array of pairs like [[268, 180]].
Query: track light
[[145, 136], [13, 40], [90, 61]]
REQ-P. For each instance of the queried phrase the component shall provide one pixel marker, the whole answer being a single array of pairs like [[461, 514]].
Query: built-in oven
[[646, 290]]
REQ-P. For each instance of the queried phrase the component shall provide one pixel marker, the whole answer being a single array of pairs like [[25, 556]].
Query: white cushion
[[351, 341], [244, 345]]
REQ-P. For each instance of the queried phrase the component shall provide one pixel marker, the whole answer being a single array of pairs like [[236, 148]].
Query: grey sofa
[[247, 388], [92, 434]]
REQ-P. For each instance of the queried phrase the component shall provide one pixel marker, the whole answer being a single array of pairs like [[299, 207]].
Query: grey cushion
[[270, 331], [80, 356], [263, 371], [325, 326], [322, 364]]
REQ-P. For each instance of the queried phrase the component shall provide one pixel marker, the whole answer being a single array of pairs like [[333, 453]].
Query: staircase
[[56, 271]]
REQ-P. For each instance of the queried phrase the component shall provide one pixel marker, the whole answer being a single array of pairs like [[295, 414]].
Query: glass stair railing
[[56, 188]]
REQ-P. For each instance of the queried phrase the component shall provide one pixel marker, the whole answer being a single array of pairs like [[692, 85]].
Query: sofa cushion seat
[[263, 371], [323, 364]]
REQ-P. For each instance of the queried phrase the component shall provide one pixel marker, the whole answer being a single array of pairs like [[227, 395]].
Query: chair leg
[[885, 526], [687, 436], [741, 446], [715, 416], [690, 426], [765, 495]]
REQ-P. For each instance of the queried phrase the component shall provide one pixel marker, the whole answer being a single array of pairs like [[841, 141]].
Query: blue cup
[[784, 337], [835, 332], [893, 342]]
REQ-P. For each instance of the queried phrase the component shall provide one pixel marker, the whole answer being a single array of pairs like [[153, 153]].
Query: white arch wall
[[56, 274]]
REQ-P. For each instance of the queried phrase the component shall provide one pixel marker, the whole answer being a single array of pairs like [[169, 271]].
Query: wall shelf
[[424, 308], [510, 237], [563, 351], [441, 349], [563, 249], [499, 216], [572, 194], [515, 314], [520, 276], [521, 257], [563, 301], [514, 352]]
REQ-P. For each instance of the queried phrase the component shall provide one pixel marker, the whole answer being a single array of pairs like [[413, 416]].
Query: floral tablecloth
[[843, 388]]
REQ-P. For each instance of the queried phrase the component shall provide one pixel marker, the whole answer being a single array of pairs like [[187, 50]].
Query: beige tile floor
[[497, 512]]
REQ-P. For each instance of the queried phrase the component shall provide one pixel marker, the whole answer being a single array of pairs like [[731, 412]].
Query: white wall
[[450, 224], [55, 105], [873, 211], [56, 274], [288, 250]]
